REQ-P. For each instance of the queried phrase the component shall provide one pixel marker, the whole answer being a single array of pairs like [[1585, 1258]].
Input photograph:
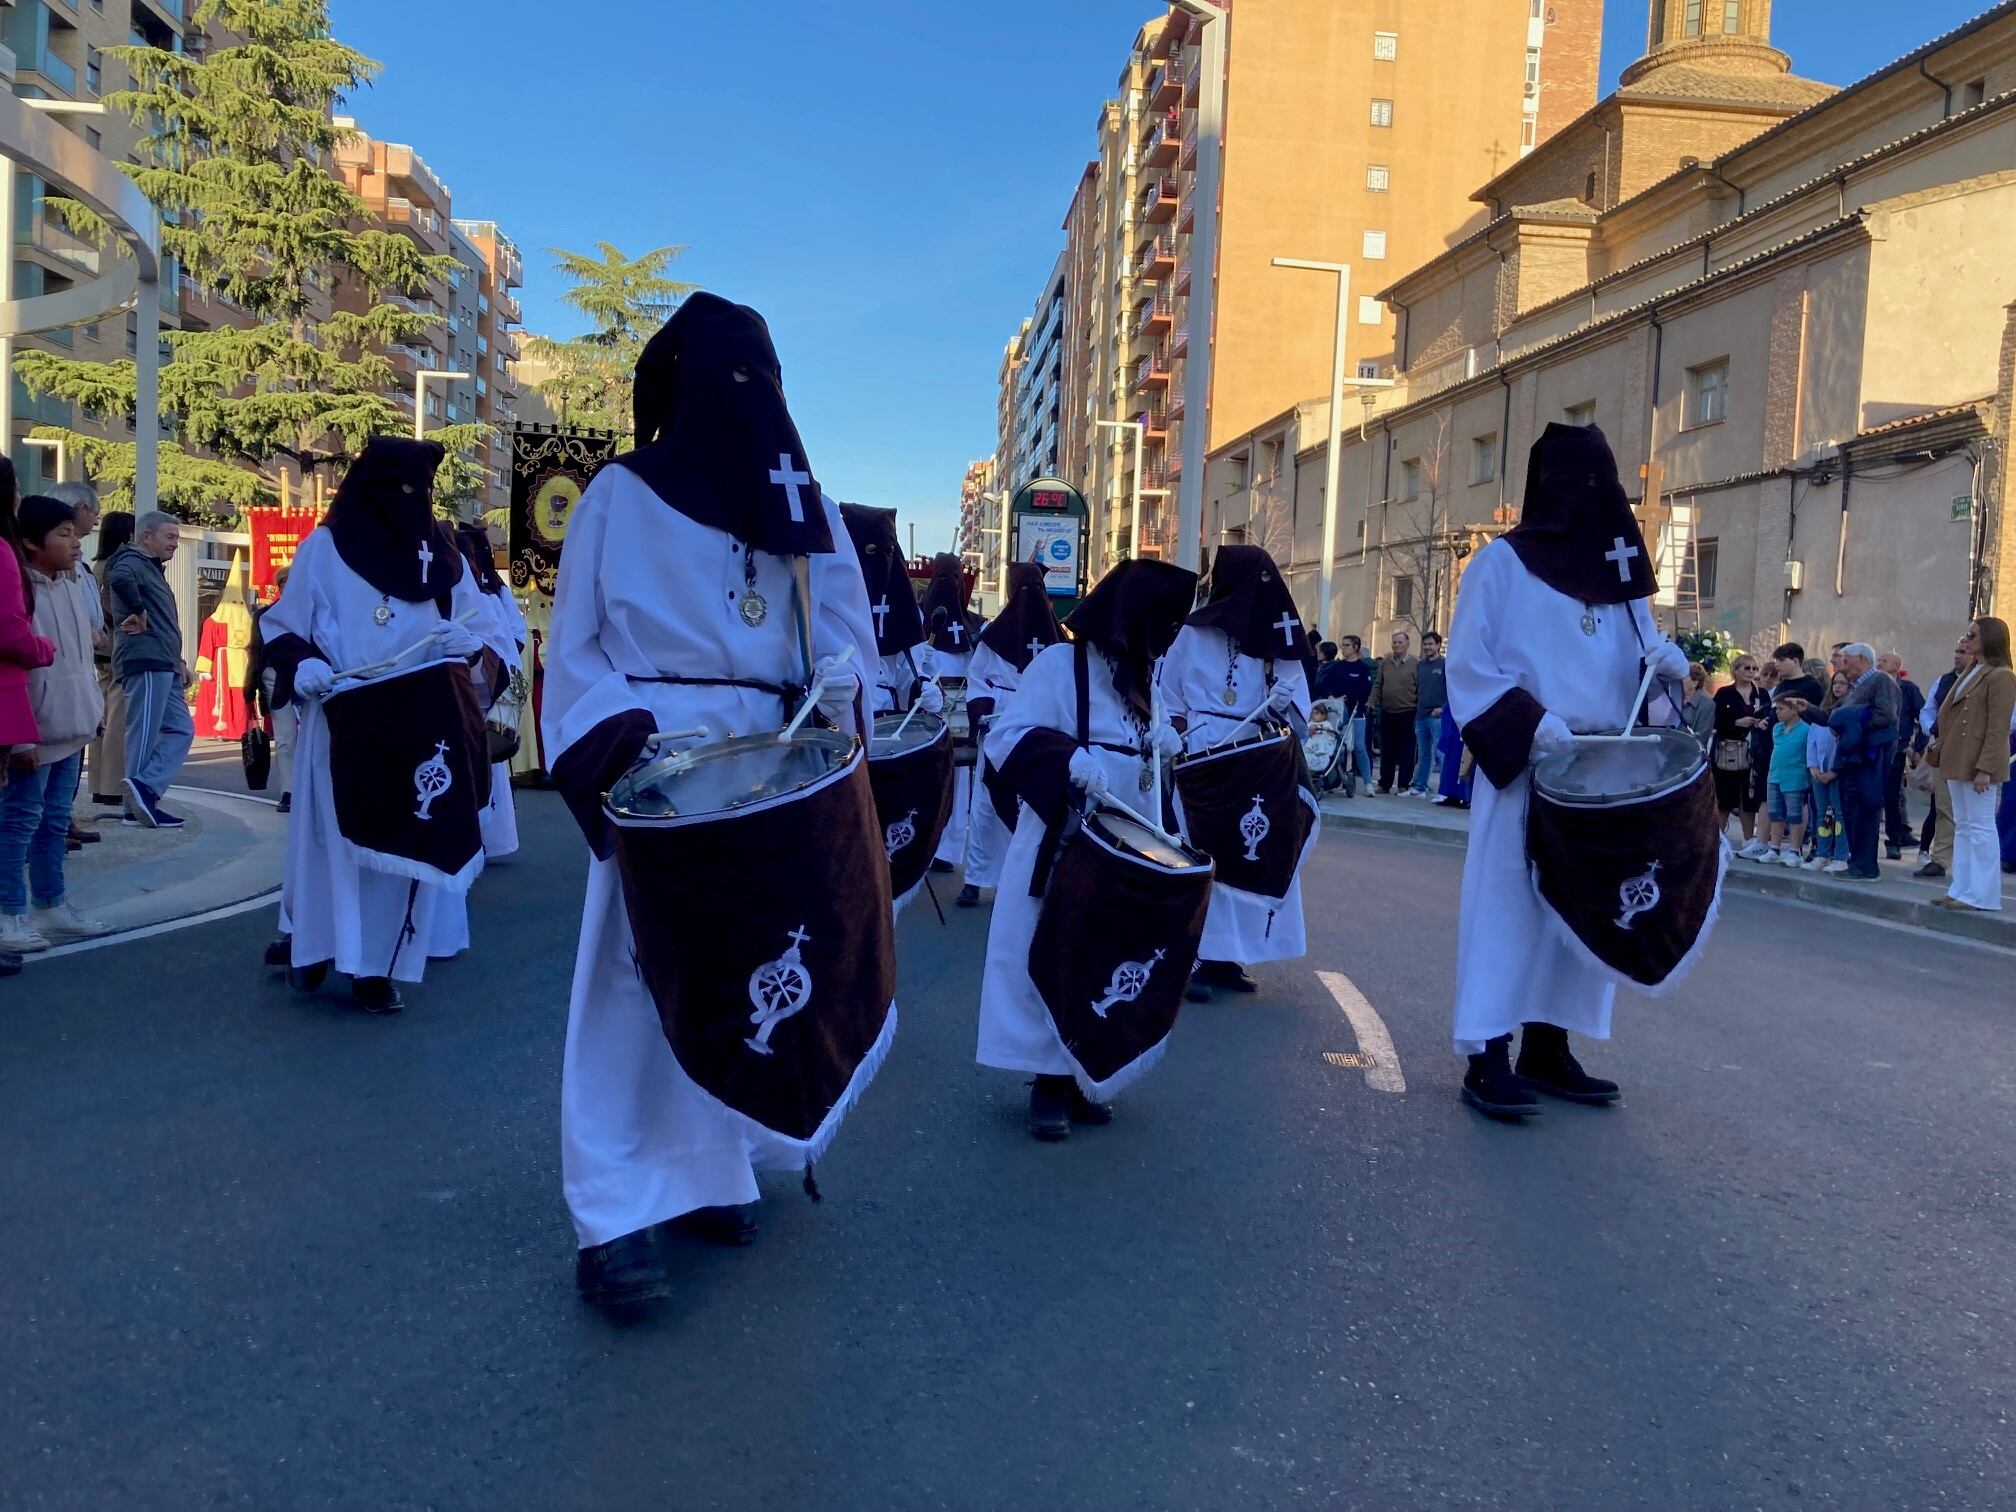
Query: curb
[[1996, 930]]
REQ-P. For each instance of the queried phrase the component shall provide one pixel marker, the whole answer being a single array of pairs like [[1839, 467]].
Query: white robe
[[1513, 631], [1242, 927], [505, 626], [644, 592], [952, 843], [990, 676], [334, 909], [893, 678], [1016, 1032]]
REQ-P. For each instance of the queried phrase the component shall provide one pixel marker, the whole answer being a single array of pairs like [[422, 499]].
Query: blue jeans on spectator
[[158, 729], [1361, 750], [1830, 837], [1862, 807], [34, 825], [1428, 745]]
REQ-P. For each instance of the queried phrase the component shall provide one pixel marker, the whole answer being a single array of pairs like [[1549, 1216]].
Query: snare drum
[[757, 893], [911, 774], [959, 719], [1625, 847], [1115, 941], [1248, 805]]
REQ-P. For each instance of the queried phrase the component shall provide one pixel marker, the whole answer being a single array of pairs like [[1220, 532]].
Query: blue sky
[[884, 179]]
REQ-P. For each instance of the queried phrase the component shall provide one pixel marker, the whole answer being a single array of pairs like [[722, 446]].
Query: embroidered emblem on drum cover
[[899, 833], [1255, 827], [1640, 894], [1130, 980], [778, 989], [431, 779]]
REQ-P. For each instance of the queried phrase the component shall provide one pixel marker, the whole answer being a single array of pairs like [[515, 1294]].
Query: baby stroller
[[1327, 748]]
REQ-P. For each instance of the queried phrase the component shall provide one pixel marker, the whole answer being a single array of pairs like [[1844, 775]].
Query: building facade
[[1799, 342]]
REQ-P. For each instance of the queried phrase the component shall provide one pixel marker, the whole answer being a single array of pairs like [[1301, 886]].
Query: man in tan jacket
[[1396, 693]]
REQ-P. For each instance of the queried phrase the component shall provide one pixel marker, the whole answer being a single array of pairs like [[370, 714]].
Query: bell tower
[[1716, 36]]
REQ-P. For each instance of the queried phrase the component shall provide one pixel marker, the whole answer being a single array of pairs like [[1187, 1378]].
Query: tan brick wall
[[1781, 395], [1998, 592], [1571, 59]]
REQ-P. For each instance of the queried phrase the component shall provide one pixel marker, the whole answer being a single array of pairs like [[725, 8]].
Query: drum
[[505, 716], [1625, 847], [1248, 805], [911, 774], [1115, 940], [959, 719], [757, 893]]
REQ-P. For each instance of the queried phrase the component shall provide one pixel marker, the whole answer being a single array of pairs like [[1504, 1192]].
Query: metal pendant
[[1147, 780], [1589, 623], [382, 615], [755, 608], [1231, 698]]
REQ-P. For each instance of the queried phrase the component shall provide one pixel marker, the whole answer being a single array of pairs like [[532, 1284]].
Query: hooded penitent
[[1026, 623], [951, 626], [714, 438], [1133, 616], [382, 521], [1246, 599], [898, 623], [1576, 532], [473, 541]]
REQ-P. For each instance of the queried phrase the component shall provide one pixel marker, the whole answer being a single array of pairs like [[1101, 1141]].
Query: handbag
[[255, 748], [1732, 755]]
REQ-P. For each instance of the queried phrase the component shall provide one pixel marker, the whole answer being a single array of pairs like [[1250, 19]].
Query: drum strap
[[790, 693]]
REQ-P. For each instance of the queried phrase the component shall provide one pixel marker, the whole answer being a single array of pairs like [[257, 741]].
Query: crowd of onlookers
[[91, 674], [1395, 712]]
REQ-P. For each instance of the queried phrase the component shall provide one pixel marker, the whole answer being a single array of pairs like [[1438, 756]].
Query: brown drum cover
[[766, 941], [1250, 809], [913, 802]]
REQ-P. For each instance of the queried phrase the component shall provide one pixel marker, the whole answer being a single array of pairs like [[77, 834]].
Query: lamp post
[[1140, 433], [1002, 531], [1215, 17], [420, 395]]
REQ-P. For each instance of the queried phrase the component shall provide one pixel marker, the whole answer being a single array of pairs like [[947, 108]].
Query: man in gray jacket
[[147, 660]]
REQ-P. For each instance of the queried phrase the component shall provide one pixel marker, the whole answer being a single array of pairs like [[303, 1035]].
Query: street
[[264, 1251]]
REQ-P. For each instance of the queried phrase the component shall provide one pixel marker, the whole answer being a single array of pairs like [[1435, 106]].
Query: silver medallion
[[1589, 624], [755, 609], [1147, 780], [382, 615], [1231, 698]]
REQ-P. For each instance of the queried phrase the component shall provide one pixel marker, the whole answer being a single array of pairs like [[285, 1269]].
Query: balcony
[[1165, 86], [1154, 479], [1154, 316], [424, 224], [508, 310], [1164, 140], [1151, 374], [1190, 140], [1183, 277], [1159, 203], [1176, 407], [1187, 216], [1157, 258], [1154, 421], [1179, 339]]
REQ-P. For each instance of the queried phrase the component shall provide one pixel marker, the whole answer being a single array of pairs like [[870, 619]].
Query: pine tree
[[626, 299], [235, 155]]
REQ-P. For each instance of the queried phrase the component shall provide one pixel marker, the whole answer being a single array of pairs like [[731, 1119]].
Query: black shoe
[[1050, 1107], [71, 847], [1083, 1110], [1490, 1087], [942, 867], [1549, 1065], [281, 952], [1227, 974], [1930, 869], [376, 995], [1894, 852], [969, 897], [307, 978], [285, 805], [720, 1225], [108, 800], [1199, 990], [622, 1272], [83, 836], [10, 964]]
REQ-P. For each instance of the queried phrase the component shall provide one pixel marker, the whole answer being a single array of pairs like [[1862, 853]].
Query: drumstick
[[1630, 720], [397, 657], [811, 699], [915, 704], [652, 742]]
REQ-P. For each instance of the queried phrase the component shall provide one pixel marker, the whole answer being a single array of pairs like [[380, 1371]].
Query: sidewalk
[[1898, 898]]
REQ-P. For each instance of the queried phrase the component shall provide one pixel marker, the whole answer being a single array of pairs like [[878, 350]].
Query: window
[[1368, 370], [1483, 458], [95, 138], [1532, 70], [1693, 18], [1370, 311], [1410, 480], [1732, 17], [1580, 414], [1708, 393], [1382, 112], [1385, 46], [1529, 132], [94, 70], [1707, 558], [1589, 188], [1375, 244], [1403, 598], [1378, 178], [1973, 94]]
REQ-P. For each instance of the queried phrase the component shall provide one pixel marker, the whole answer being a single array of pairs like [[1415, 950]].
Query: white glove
[[1668, 660], [1280, 700], [840, 683], [313, 679], [456, 639], [1166, 742], [1088, 774], [1552, 735], [931, 697]]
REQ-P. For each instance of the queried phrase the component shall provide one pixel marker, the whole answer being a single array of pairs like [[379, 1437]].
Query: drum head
[[729, 775], [1599, 774], [1133, 835], [924, 730]]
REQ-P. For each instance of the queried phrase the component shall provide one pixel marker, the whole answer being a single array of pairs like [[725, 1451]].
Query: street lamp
[[1216, 18], [419, 395], [1331, 460], [1002, 531], [1140, 432]]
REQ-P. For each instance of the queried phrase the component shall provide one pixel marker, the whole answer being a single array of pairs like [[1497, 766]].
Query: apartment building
[[977, 517], [1355, 131], [1801, 344], [1034, 374], [490, 316]]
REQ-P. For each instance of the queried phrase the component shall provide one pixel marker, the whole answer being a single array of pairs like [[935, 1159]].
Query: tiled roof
[[1678, 81], [1951, 411], [1573, 209]]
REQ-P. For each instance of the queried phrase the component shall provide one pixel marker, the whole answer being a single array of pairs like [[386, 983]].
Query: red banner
[[276, 535]]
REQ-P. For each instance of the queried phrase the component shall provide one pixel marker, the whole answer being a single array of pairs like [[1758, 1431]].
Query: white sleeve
[[842, 617], [1046, 699], [1292, 676], [582, 687], [1476, 679]]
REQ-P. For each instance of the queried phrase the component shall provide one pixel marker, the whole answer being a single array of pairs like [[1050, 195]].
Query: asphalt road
[[262, 1252]]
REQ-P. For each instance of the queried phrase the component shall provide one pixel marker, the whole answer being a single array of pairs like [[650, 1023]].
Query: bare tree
[[1414, 536]]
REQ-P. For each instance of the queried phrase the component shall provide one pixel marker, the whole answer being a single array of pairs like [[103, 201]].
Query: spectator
[[1972, 754], [1910, 706], [1830, 835], [1791, 672], [1741, 710], [83, 501], [36, 805], [284, 721], [1431, 694], [1326, 683], [147, 658], [1865, 727], [22, 650], [1935, 840], [105, 761], [1697, 712], [1789, 784], [1355, 676], [1394, 698]]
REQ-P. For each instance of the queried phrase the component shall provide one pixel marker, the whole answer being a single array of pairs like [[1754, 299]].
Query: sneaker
[[1789, 858], [1816, 864], [19, 937], [63, 922], [1835, 868], [146, 811], [1753, 850]]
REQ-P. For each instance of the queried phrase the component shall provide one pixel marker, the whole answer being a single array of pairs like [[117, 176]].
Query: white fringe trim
[[1122, 1079], [415, 871], [807, 1152], [1681, 968]]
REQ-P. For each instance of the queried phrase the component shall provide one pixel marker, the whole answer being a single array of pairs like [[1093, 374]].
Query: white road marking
[[147, 932], [1383, 1075]]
